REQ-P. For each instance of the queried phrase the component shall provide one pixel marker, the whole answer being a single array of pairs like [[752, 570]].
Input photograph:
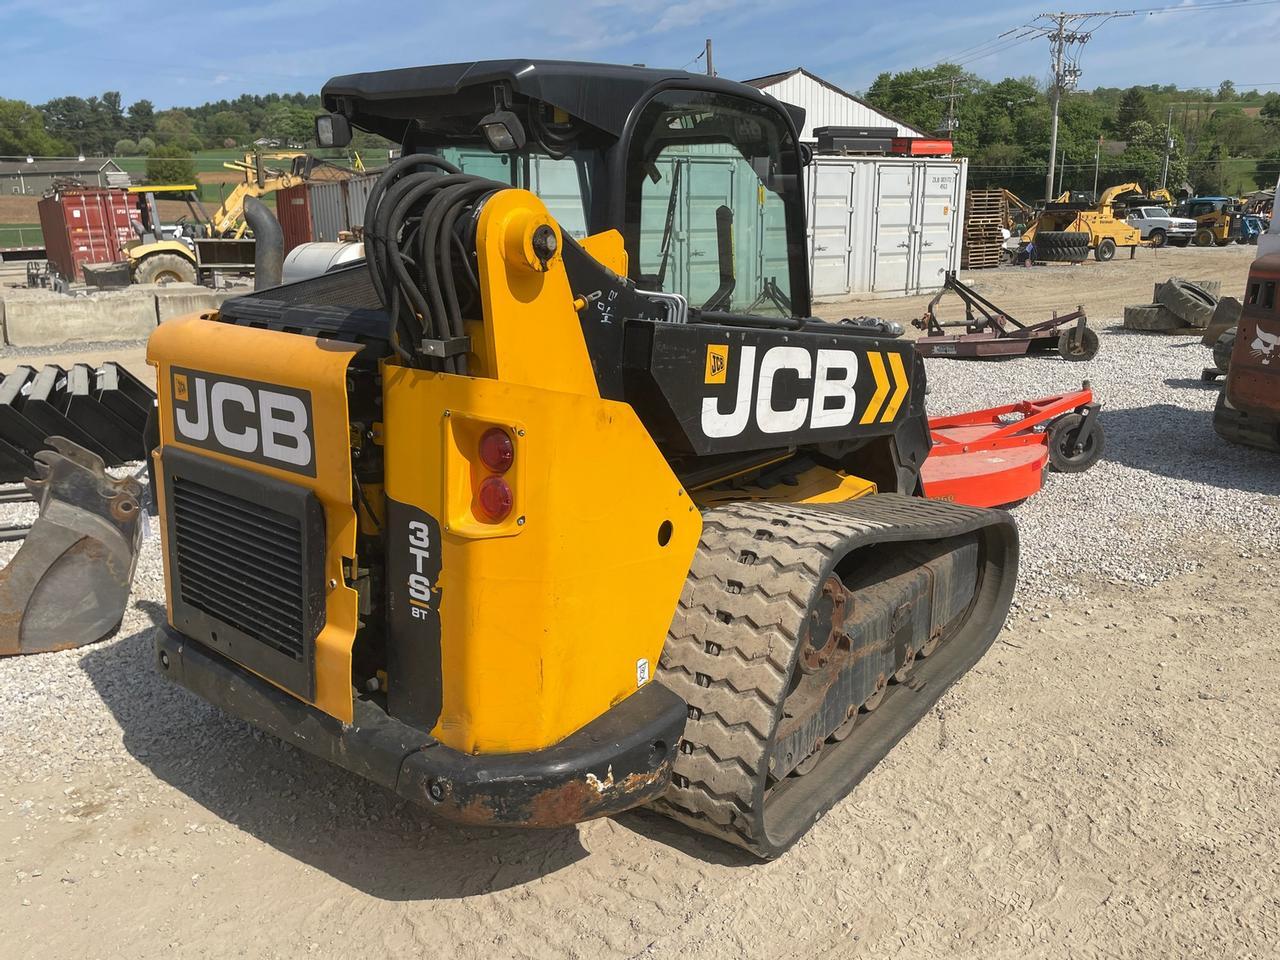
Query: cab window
[[713, 203]]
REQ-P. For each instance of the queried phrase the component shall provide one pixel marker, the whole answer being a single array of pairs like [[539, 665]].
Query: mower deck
[[999, 456], [996, 334]]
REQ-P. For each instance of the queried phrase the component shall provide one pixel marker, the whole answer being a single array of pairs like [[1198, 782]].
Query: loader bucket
[[68, 584]]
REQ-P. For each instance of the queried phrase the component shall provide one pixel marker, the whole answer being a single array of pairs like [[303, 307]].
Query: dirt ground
[[1032, 294], [1104, 784]]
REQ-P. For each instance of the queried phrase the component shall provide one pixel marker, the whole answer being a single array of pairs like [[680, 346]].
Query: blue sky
[[185, 53]]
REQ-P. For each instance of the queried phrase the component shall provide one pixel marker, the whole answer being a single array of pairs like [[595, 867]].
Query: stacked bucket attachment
[[69, 582], [103, 409]]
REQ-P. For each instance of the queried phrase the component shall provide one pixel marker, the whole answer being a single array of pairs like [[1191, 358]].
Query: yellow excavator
[[1073, 224], [159, 254], [532, 525]]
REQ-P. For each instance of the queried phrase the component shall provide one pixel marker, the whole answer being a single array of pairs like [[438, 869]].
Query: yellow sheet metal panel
[[815, 485], [556, 614], [196, 346], [608, 249]]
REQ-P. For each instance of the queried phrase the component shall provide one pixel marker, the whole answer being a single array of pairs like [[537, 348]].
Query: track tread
[[752, 615]]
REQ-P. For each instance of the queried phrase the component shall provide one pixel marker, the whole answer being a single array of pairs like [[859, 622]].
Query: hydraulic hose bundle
[[417, 258]]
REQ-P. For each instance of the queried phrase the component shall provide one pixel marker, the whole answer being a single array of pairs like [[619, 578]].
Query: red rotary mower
[[998, 457]]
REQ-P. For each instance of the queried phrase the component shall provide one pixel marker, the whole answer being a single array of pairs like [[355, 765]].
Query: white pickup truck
[[1160, 227]]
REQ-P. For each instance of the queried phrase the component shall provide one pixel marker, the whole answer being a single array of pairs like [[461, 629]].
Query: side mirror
[[806, 154], [333, 130]]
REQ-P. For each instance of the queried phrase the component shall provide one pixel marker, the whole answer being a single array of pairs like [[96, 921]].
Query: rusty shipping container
[[321, 209], [85, 225]]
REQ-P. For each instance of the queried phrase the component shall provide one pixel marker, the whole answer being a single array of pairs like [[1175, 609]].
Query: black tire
[[165, 268], [1083, 347], [1190, 302], [1062, 435], [1204, 237], [1158, 238], [1105, 250], [1222, 350], [1066, 246]]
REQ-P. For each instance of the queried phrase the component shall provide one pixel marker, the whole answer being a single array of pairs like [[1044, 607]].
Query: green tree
[[228, 125], [921, 97], [1226, 90], [22, 131], [141, 119], [146, 145], [125, 148], [1133, 106], [1267, 171], [173, 126], [170, 164]]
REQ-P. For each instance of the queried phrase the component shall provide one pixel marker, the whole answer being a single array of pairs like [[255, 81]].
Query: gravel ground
[[1103, 785], [1165, 475]]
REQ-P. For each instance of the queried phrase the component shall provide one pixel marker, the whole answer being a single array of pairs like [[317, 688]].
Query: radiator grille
[[241, 563]]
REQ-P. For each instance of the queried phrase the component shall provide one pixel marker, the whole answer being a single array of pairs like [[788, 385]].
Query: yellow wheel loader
[[205, 241], [555, 507]]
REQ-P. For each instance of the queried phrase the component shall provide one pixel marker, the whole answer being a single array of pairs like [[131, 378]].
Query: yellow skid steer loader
[[560, 502]]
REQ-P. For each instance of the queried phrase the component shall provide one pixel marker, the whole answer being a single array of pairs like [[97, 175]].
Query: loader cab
[[702, 177]]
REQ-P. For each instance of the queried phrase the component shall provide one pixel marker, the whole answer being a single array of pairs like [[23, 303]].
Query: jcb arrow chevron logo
[[829, 378]]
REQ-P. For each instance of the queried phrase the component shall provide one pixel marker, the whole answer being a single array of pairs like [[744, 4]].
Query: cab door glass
[[712, 189]]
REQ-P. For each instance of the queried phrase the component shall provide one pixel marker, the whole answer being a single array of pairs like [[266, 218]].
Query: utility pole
[[1064, 49], [1168, 149], [949, 125], [1062, 170], [711, 70], [1056, 46], [1097, 158]]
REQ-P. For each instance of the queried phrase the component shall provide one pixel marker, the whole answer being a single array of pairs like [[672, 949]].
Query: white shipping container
[[883, 226]]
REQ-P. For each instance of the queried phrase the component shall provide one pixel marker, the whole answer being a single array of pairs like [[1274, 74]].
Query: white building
[[826, 105]]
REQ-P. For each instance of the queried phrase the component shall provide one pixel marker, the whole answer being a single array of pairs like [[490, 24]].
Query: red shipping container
[[293, 210], [85, 225]]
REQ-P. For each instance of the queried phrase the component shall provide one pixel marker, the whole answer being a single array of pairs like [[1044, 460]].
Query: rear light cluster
[[497, 452]]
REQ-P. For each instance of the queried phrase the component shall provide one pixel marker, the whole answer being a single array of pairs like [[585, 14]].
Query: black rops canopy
[[602, 95]]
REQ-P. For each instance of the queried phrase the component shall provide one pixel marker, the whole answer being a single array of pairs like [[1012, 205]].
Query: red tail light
[[495, 499], [497, 450]]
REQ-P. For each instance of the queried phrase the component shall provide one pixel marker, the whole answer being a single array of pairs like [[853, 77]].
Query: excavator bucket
[[68, 584]]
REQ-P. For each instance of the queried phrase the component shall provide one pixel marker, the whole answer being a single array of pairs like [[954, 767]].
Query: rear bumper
[[618, 761]]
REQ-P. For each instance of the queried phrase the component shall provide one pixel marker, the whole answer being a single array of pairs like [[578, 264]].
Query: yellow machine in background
[[1217, 219], [155, 258], [1106, 231]]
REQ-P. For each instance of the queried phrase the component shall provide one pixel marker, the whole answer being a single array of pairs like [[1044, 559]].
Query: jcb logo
[[820, 394], [717, 362], [262, 422]]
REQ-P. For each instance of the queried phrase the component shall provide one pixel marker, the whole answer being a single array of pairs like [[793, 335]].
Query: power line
[[1067, 33]]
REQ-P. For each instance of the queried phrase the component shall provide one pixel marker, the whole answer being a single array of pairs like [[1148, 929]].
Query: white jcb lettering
[[839, 388], [239, 417], [769, 419], [284, 417], [196, 428], [717, 424], [246, 441]]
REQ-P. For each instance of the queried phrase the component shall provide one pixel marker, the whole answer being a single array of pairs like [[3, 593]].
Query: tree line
[[103, 126], [1224, 141]]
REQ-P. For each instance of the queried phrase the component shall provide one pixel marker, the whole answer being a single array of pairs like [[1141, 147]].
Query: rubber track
[[734, 638]]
